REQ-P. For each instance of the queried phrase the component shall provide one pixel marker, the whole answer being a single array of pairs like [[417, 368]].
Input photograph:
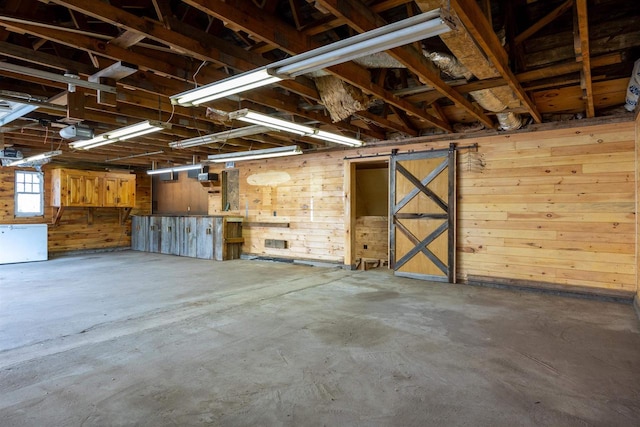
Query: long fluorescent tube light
[[249, 116], [267, 153], [181, 168], [55, 77], [220, 89], [246, 115], [18, 112], [35, 158], [415, 28], [121, 134], [336, 138], [220, 136]]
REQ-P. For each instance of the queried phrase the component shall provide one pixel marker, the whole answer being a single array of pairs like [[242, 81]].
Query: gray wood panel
[[155, 233], [140, 233], [169, 240], [188, 236], [206, 237]]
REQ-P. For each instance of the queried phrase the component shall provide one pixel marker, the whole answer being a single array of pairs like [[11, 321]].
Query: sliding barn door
[[422, 210]]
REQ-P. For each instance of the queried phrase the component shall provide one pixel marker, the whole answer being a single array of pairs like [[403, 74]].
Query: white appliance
[[23, 243]]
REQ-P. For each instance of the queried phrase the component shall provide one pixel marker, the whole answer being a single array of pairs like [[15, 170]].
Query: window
[[29, 191]]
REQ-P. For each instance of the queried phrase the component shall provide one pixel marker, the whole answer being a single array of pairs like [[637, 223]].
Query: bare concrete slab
[[131, 338]]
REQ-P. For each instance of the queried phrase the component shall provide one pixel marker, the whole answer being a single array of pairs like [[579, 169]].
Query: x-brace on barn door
[[422, 210]]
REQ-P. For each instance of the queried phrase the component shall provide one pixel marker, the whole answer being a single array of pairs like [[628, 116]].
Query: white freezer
[[23, 243]]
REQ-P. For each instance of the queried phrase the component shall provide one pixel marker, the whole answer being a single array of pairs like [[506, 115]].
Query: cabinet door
[[75, 190], [155, 233], [126, 196], [92, 191], [187, 238], [111, 187], [140, 233], [205, 239], [169, 236], [83, 190]]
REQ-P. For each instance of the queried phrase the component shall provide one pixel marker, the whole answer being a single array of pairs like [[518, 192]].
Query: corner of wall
[[636, 305]]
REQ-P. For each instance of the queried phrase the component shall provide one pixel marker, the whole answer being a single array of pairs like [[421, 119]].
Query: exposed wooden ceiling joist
[[169, 40], [272, 30], [363, 19], [474, 21]]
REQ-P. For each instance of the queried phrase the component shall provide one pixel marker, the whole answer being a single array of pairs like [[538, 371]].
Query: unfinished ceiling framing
[[505, 66]]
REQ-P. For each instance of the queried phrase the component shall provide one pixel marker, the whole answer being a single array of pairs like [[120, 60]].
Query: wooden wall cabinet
[[72, 188], [207, 237], [119, 191]]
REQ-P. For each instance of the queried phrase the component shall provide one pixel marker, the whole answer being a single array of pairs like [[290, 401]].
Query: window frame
[[23, 174]]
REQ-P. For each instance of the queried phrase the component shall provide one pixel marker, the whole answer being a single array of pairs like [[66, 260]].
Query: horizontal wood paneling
[[556, 207], [372, 232], [74, 232]]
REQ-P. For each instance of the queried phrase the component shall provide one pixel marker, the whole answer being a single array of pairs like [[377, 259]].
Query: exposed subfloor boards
[[132, 338]]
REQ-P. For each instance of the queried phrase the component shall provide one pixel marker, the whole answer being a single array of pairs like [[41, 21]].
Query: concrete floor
[[129, 338]]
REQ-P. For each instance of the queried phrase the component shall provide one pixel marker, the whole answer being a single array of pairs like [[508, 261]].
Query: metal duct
[[339, 98], [509, 121], [489, 101], [449, 64], [379, 60]]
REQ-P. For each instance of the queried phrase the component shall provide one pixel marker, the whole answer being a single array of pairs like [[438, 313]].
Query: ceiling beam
[[215, 50], [475, 22], [273, 31], [546, 20], [361, 18], [167, 69]]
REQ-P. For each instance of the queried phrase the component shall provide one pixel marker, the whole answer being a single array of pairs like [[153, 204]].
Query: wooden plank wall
[[74, 233], [372, 209], [552, 207], [296, 199], [372, 237]]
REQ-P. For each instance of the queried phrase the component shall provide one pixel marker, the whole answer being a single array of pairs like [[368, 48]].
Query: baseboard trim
[[77, 252], [601, 294]]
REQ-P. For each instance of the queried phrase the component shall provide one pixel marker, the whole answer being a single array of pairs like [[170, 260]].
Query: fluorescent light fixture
[[267, 153], [415, 28], [249, 116], [55, 77], [36, 158], [246, 115], [419, 27], [121, 134], [175, 169], [220, 89], [19, 110], [336, 138], [220, 136]]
